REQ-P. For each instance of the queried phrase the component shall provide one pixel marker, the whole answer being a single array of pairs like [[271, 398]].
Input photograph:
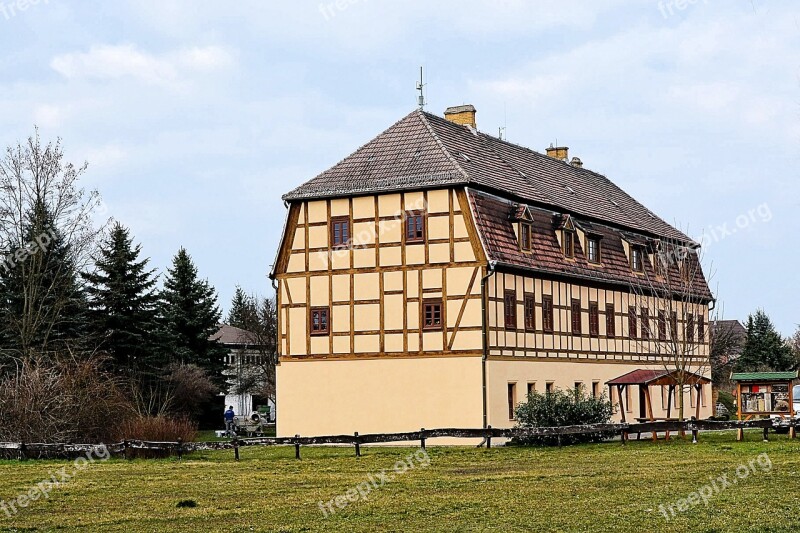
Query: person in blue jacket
[[229, 415]]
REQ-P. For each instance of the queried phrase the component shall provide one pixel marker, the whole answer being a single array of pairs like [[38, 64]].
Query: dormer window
[[525, 236], [637, 259], [522, 214], [568, 243], [567, 228], [593, 249]]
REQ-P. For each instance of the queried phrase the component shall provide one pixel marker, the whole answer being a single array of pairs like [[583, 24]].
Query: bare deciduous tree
[[672, 294], [42, 207]]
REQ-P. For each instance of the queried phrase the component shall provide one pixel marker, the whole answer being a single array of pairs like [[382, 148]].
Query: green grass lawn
[[605, 487]]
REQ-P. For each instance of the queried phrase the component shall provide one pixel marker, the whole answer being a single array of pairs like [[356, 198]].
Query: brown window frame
[[575, 316], [341, 222], [598, 254], [645, 324], [569, 251], [690, 327], [323, 312], [662, 326], [433, 305], [512, 400], [633, 328], [547, 314], [673, 326], [529, 312], [596, 389], [701, 329], [525, 236], [611, 321], [637, 252], [594, 319], [419, 232], [510, 309]]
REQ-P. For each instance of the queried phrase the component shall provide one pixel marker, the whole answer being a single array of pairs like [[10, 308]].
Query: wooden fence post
[[235, 448], [624, 436], [422, 438], [489, 437], [358, 445], [297, 446], [766, 434]]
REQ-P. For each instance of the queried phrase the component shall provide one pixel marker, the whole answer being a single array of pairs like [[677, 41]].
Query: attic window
[[614, 202], [569, 189], [568, 243], [525, 236], [593, 249], [637, 262], [465, 157]]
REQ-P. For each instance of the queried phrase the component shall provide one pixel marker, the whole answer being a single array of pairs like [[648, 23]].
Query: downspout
[[485, 338]]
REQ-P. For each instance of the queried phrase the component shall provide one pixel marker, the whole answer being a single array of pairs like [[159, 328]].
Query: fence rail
[[129, 447]]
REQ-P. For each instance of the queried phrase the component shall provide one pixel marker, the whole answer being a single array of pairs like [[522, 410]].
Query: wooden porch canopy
[[645, 378]]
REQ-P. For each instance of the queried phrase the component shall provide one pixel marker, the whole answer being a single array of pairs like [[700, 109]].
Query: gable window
[[530, 313], [662, 326], [611, 322], [320, 321], [568, 243], [510, 309], [547, 314], [576, 317], [525, 237], [637, 263], [594, 319], [415, 226], [593, 249], [690, 327], [632, 322], [340, 232], [432, 315]]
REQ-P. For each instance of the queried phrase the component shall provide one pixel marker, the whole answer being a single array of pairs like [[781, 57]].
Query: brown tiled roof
[[492, 217], [233, 336], [426, 151]]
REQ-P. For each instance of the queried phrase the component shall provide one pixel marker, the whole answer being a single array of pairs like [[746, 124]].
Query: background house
[[246, 372]]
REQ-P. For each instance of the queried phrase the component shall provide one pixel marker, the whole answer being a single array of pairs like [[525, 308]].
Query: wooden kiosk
[[764, 394]]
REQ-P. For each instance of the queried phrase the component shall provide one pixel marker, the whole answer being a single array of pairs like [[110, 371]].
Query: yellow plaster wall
[[375, 396]]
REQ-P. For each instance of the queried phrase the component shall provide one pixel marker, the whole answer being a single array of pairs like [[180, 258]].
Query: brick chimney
[[462, 114], [558, 152]]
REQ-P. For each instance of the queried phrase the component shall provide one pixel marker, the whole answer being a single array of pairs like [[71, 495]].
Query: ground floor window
[[512, 399]]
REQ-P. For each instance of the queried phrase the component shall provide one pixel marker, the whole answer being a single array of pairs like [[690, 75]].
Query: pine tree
[[42, 303], [764, 348], [191, 316], [243, 311], [123, 304]]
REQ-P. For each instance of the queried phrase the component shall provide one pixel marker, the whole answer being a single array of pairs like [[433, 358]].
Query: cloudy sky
[[196, 116]]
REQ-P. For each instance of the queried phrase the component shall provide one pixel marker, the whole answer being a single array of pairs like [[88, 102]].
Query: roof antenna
[[501, 131], [420, 87]]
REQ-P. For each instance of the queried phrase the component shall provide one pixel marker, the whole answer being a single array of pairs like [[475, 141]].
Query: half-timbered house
[[438, 274]]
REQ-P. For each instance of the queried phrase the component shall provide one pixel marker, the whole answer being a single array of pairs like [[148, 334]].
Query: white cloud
[[114, 62]]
